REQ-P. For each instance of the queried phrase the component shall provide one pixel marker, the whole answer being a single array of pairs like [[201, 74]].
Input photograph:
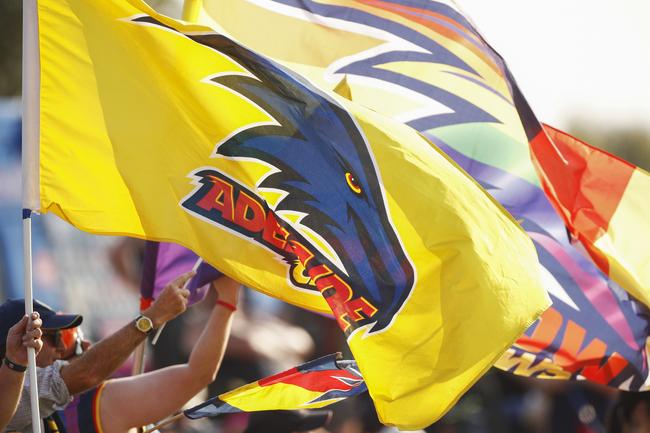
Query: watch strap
[[13, 366]]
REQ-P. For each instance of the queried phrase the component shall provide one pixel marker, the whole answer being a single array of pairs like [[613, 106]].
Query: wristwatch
[[144, 324]]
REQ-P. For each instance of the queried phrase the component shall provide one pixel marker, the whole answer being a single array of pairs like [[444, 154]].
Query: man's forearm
[[101, 360], [11, 383]]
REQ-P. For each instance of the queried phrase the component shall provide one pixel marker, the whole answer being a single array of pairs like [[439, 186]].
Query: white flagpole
[[31, 353], [187, 283], [30, 132]]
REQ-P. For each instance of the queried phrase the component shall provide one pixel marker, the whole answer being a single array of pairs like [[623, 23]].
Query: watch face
[[143, 324]]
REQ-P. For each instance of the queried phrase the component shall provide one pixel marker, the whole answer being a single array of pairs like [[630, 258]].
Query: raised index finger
[[182, 279]]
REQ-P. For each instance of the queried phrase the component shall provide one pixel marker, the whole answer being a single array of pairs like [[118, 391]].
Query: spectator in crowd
[[26, 333], [630, 414], [136, 401], [59, 380], [288, 421]]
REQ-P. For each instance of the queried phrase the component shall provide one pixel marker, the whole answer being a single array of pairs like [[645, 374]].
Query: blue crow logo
[[325, 167]]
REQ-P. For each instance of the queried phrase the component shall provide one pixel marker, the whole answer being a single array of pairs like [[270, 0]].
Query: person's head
[[14, 309], [630, 414], [287, 421]]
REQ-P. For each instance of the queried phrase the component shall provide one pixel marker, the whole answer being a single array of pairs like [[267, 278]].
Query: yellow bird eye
[[352, 183]]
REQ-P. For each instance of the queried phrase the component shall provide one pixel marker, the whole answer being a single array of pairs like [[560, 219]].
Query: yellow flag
[[167, 131]]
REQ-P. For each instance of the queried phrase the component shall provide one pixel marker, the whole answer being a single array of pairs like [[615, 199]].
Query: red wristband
[[228, 305]]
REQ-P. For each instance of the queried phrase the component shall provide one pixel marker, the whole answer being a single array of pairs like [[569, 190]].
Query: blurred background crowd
[[99, 277]]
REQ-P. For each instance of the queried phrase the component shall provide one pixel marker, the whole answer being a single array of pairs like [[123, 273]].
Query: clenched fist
[[26, 333], [227, 289], [171, 302]]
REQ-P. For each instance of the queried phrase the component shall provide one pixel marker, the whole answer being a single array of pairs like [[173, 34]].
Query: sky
[[574, 59]]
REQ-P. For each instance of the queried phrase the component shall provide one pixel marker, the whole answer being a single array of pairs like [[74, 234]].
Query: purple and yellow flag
[[423, 63], [169, 131], [164, 261], [312, 385]]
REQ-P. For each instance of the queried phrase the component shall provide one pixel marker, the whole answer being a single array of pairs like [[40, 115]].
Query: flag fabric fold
[[167, 131], [603, 201], [312, 385], [423, 63]]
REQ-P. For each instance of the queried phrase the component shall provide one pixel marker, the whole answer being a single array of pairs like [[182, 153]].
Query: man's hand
[[171, 302], [24, 334], [227, 289]]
